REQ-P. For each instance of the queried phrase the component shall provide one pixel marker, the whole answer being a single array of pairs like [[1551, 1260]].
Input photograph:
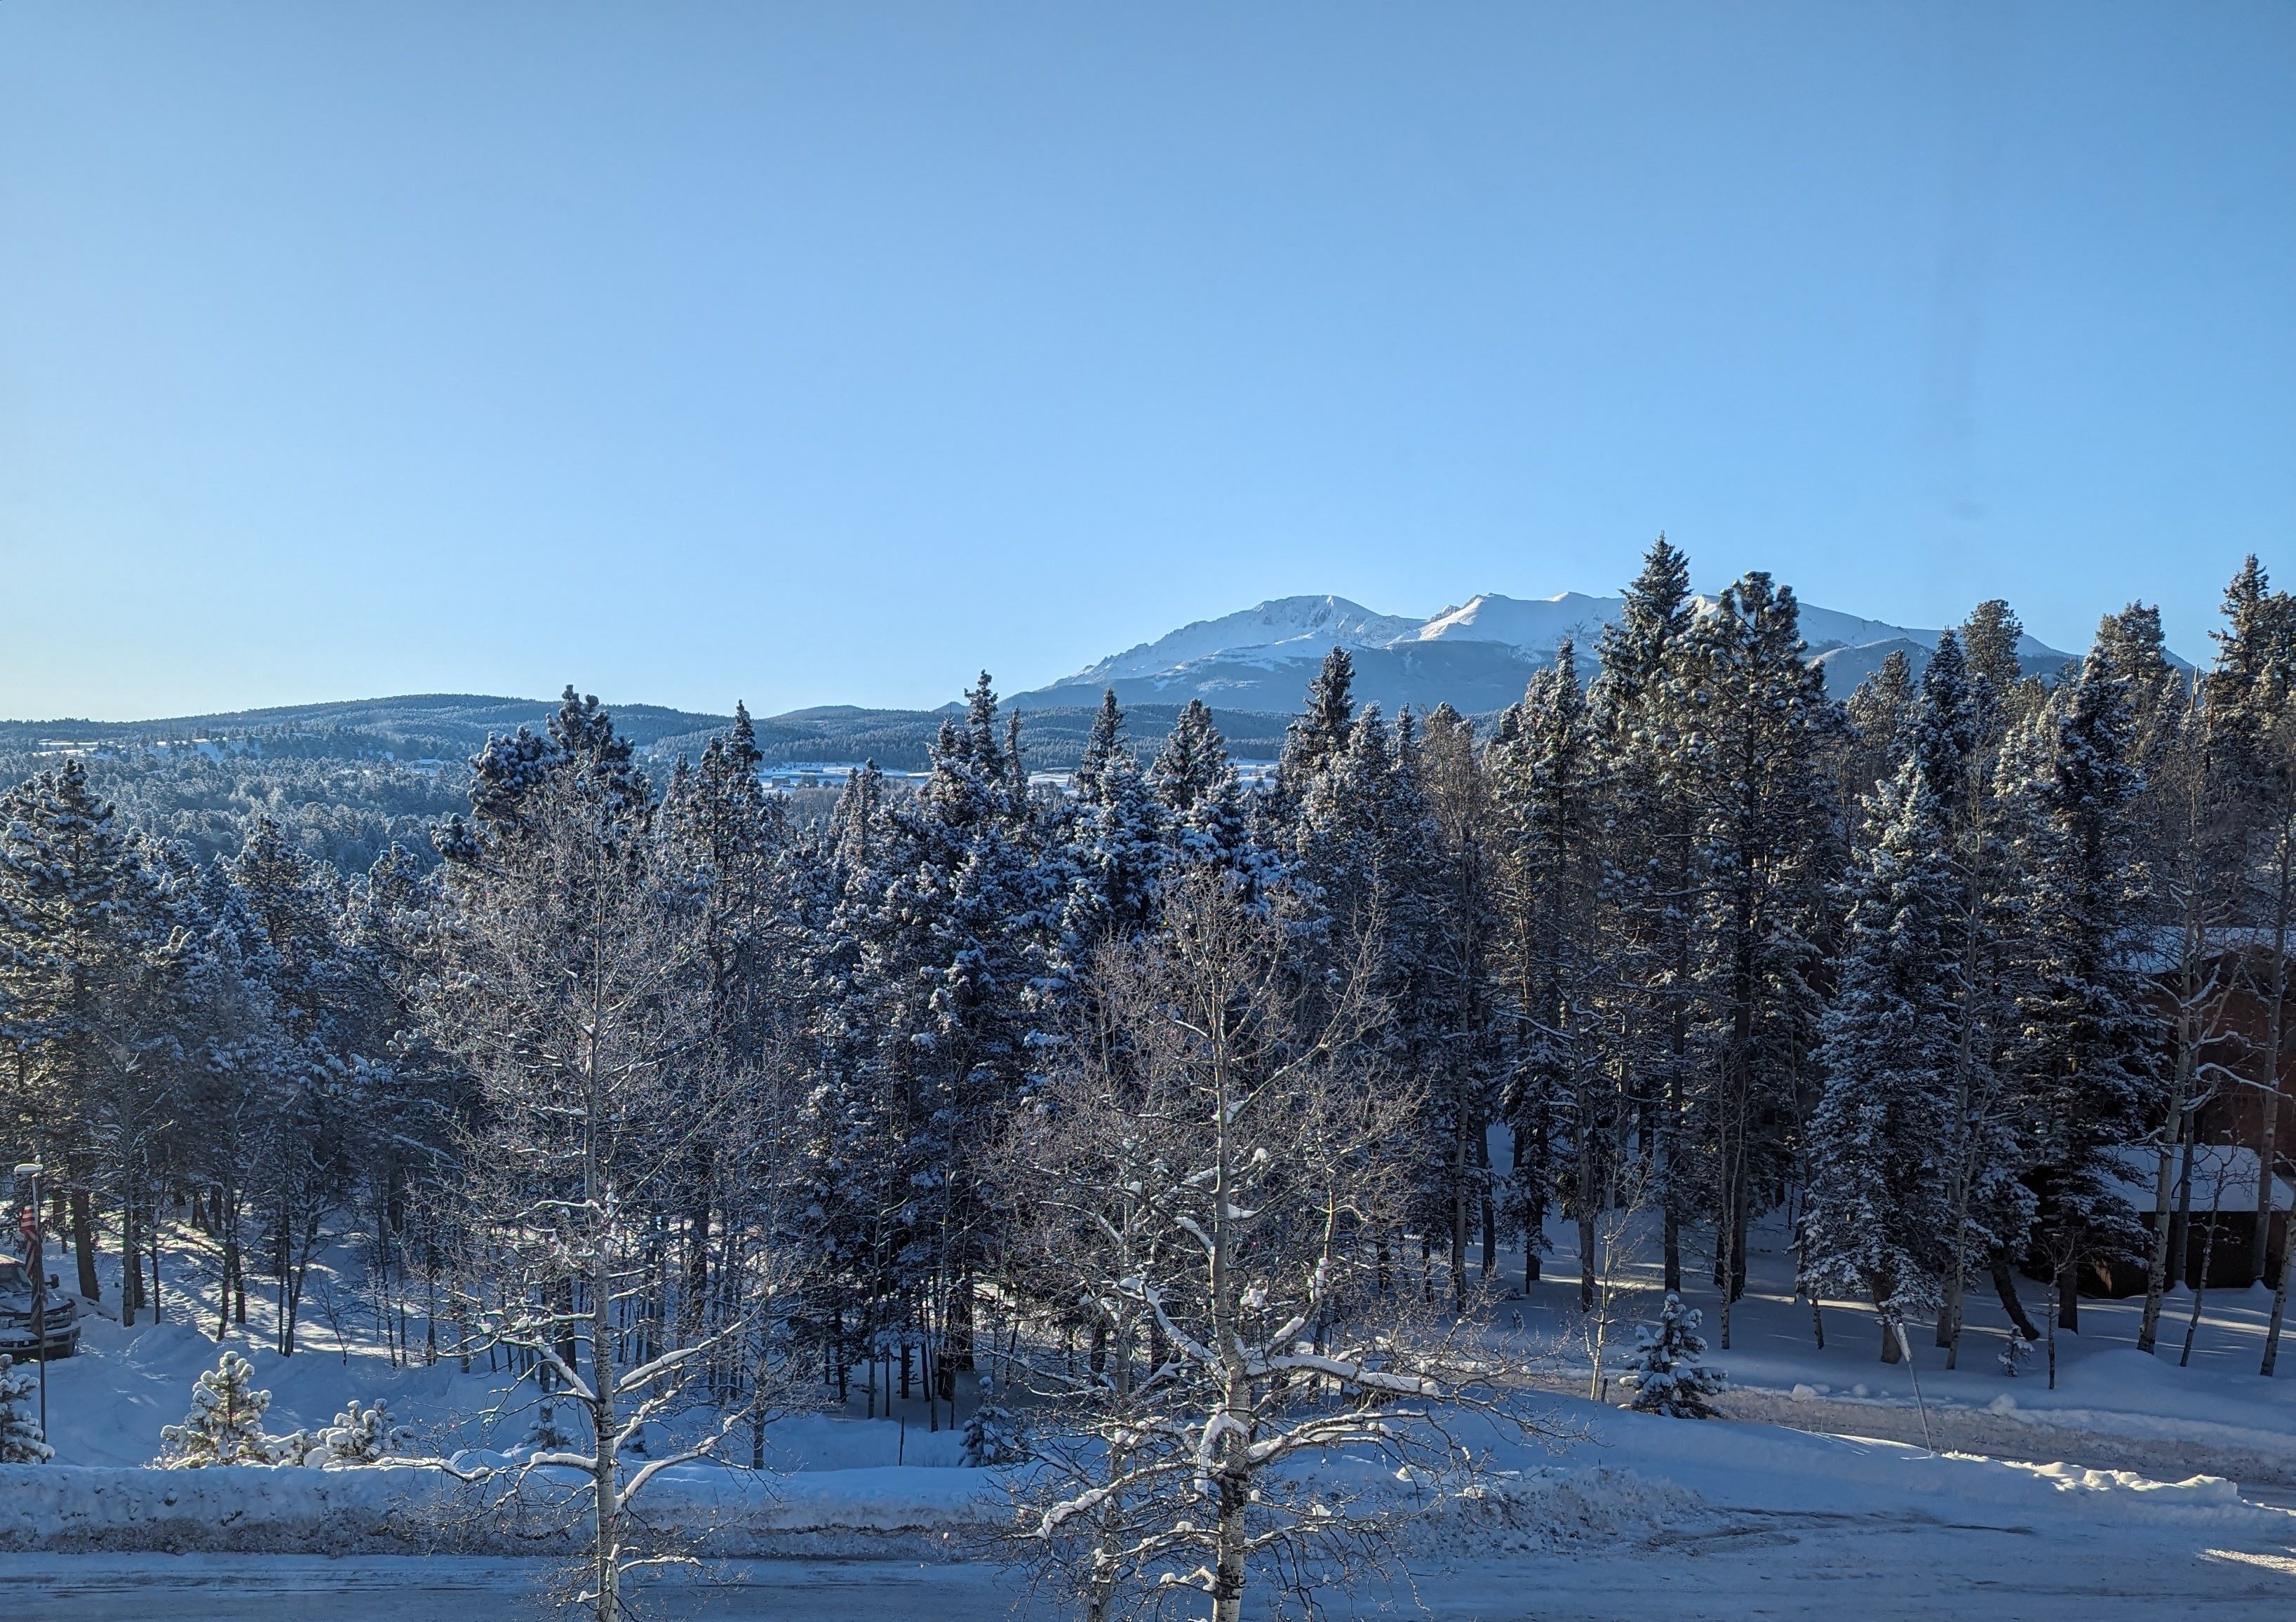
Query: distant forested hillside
[[346, 781]]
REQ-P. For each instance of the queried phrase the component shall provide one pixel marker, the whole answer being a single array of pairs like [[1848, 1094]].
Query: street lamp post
[[36, 1262]]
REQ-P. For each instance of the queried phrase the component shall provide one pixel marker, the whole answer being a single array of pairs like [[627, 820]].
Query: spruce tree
[[22, 1440], [1568, 1117], [1878, 1219], [1204, 815], [1665, 1369], [1644, 704], [2250, 693], [1766, 842], [1113, 837], [2084, 1058], [69, 908]]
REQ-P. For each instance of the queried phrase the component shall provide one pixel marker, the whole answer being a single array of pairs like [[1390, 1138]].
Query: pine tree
[[2250, 693], [1878, 1221], [22, 1440], [1989, 640], [1665, 1372], [2084, 1059], [1462, 947], [225, 1423], [1204, 817], [1644, 715], [1877, 713], [1324, 726], [363, 1434], [1767, 836], [70, 910], [991, 1438], [1113, 836], [1568, 1118]]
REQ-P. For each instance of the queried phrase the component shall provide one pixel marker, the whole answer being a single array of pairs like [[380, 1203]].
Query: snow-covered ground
[[2140, 1486], [2112, 1405]]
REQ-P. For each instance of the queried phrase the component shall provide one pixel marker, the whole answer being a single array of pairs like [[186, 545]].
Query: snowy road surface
[[1875, 1567]]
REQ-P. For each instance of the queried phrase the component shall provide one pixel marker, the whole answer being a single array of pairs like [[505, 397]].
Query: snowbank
[[905, 1512]]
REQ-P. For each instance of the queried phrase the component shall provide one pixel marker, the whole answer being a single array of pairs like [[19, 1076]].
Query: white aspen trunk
[[2280, 1301], [2268, 1134], [1229, 1546]]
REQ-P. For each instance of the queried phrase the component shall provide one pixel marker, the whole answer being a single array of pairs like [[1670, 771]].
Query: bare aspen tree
[[1204, 1178], [569, 990]]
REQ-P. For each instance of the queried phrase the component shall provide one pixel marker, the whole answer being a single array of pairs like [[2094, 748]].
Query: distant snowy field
[[2135, 1485]]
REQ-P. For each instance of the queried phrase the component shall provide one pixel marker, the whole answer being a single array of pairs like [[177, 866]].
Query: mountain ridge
[[1475, 655]]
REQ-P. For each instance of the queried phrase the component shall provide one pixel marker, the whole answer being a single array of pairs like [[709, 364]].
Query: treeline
[[345, 813], [1921, 969]]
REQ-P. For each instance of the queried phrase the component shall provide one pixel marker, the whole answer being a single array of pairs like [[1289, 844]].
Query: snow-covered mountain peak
[[1475, 655], [1281, 630], [1523, 622]]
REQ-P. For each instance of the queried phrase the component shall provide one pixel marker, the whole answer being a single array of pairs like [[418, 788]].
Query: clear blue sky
[[817, 354]]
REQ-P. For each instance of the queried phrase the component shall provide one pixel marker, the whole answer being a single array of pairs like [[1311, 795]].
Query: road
[[1805, 1568]]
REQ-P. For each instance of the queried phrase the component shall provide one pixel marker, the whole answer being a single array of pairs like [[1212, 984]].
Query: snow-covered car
[[60, 1316]]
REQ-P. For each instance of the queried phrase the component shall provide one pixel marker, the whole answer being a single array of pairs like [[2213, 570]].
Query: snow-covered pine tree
[[2251, 699], [22, 1440], [991, 1438], [1566, 1112], [1877, 713], [728, 838], [2191, 839], [1204, 817], [66, 958], [1987, 1211], [1998, 686], [954, 930], [304, 1159], [363, 1433], [225, 1423], [1643, 714], [2083, 1062], [1766, 844], [1462, 941], [1665, 1369], [1878, 1219], [1112, 833], [1368, 853], [1324, 725]]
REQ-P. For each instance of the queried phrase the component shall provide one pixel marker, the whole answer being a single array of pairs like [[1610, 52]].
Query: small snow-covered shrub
[[1665, 1372], [363, 1434], [545, 1434], [2013, 1353], [20, 1440], [225, 1423], [991, 1438]]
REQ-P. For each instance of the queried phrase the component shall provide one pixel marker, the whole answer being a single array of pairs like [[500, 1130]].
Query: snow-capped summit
[[1475, 656], [1523, 622], [1285, 629]]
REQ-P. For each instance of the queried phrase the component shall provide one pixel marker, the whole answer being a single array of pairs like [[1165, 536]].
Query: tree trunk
[[131, 1269], [1490, 1212], [1890, 1351], [2005, 1285], [2280, 1298], [2068, 1314], [83, 1238], [2180, 1246], [2156, 1276], [1459, 1163], [1227, 1576], [2275, 1022]]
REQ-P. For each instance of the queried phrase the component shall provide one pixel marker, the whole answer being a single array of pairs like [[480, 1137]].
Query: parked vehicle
[[60, 1316]]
